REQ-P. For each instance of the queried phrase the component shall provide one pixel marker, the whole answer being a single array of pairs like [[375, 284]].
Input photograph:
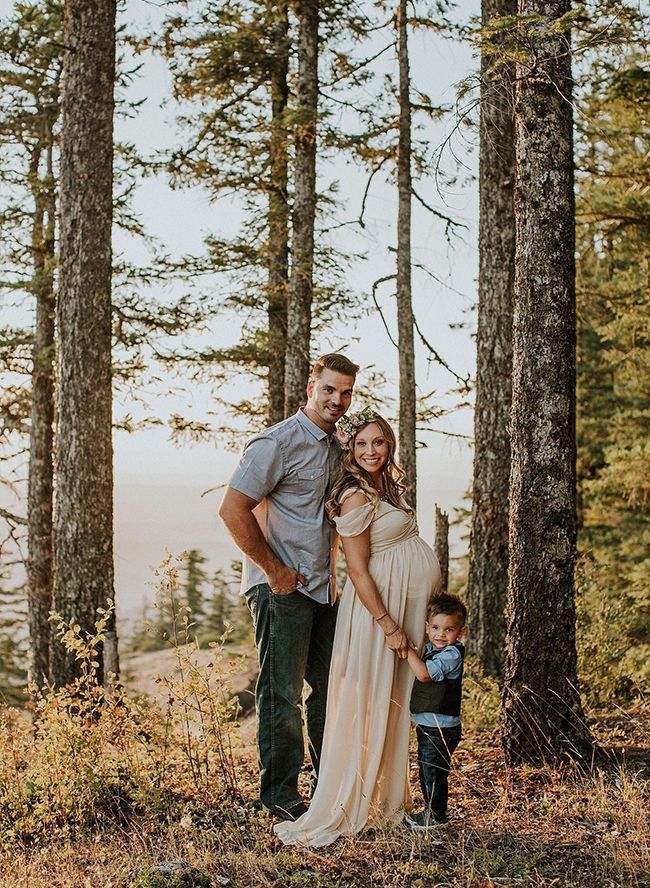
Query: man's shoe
[[423, 821], [292, 813]]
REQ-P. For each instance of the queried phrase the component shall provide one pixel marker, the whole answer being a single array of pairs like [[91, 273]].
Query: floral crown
[[347, 426]]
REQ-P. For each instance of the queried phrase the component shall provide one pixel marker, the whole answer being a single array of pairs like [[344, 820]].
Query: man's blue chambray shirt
[[290, 468], [447, 663]]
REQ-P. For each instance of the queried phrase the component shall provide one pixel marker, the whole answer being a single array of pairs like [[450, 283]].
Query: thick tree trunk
[[442, 546], [278, 246], [84, 472], [41, 435], [404, 306], [542, 714], [304, 210], [487, 584]]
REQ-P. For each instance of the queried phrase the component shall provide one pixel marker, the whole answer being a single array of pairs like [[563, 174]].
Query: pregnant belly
[[411, 565]]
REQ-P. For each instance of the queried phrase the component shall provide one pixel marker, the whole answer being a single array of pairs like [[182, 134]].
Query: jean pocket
[[252, 595], [282, 596]]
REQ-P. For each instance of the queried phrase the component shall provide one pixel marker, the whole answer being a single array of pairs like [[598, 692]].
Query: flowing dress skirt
[[364, 766]]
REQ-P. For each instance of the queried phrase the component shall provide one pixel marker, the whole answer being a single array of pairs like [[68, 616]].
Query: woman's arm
[[357, 556]]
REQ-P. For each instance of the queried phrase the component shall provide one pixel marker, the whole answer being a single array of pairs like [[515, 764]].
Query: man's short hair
[[448, 604], [336, 362]]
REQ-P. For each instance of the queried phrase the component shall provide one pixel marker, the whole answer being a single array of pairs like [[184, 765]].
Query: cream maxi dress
[[364, 767]]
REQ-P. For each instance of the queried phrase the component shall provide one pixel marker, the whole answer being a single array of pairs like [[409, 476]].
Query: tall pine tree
[[487, 582], [84, 452], [29, 110], [542, 712]]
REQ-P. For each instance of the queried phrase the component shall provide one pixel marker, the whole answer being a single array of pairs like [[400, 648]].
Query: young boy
[[435, 704]]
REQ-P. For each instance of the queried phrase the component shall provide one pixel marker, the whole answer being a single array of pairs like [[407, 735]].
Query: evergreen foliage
[[30, 73], [193, 580], [13, 643], [209, 601], [613, 216], [223, 57]]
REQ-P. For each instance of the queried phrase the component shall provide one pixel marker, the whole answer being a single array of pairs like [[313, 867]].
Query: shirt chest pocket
[[309, 483]]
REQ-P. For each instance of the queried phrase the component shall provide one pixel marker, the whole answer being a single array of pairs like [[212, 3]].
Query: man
[[274, 508]]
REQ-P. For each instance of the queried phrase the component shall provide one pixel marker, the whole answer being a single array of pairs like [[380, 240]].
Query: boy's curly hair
[[446, 603]]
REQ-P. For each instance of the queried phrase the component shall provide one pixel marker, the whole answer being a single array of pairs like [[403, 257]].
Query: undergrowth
[[101, 785], [94, 757]]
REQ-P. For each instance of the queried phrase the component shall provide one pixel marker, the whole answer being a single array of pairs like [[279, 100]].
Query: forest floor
[[510, 827]]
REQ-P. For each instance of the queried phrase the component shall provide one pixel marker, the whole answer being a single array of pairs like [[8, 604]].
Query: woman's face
[[371, 449]]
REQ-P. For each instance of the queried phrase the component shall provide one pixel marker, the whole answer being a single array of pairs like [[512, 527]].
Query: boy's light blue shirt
[[446, 663]]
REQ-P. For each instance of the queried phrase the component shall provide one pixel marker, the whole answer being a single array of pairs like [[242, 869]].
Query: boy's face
[[444, 629]]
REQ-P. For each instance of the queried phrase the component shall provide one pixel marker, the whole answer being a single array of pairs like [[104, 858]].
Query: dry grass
[[535, 827], [102, 787]]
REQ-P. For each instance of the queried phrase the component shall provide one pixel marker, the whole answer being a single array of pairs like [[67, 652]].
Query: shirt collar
[[311, 427]]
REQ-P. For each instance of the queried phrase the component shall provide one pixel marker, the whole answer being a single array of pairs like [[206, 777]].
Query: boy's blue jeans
[[294, 637], [435, 749]]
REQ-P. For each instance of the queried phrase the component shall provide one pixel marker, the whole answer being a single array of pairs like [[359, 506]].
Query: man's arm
[[236, 512]]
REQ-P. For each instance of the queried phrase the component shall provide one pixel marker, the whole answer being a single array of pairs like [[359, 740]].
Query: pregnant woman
[[363, 779]]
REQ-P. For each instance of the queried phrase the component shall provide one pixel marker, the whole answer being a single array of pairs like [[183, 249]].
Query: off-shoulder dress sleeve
[[356, 521]]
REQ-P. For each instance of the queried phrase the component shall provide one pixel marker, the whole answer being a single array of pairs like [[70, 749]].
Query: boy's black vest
[[442, 697]]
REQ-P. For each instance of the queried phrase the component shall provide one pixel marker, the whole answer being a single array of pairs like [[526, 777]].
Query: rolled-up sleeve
[[260, 469], [443, 663]]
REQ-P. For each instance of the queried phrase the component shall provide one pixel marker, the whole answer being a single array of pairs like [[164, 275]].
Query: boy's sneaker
[[423, 820]]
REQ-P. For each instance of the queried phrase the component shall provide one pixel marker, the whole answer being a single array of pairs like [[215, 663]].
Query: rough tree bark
[[487, 584], [442, 546], [41, 434], [304, 210], [84, 473], [404, 305], [278, 246], [542, 714]]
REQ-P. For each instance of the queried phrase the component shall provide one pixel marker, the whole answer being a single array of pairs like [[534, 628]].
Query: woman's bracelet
[[392, 631], [385, 614]]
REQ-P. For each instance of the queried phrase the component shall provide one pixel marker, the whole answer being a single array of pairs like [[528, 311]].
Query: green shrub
[[612, 636], [94, 756]]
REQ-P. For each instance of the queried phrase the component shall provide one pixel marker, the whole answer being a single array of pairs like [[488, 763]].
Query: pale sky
[[160, 499]]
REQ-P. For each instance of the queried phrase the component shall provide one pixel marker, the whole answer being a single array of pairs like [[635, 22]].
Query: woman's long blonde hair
[[352, 475]]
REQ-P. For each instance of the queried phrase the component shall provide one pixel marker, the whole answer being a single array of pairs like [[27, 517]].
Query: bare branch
[[362, 64], [445, 433], [367, 189], [438, 359], [11, 518], [450, 222], [389, 277], [440, 281]]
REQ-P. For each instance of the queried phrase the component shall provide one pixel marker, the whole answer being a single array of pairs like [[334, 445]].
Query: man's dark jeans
[[294, 637], [435, 749]]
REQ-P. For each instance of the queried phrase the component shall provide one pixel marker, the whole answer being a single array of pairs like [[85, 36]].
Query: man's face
[[329, 396]]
